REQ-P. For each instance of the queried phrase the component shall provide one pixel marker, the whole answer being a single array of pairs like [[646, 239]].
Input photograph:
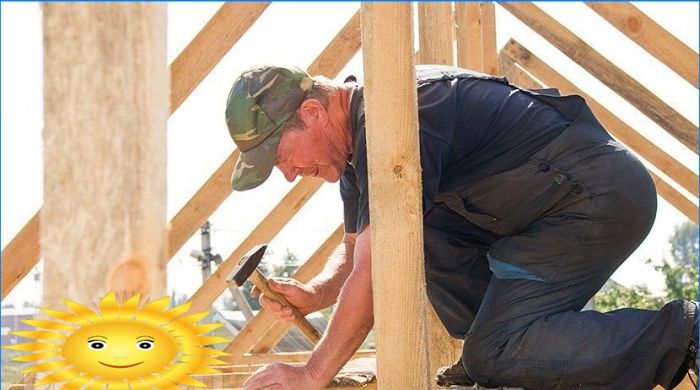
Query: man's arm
[[319, 293], [352, 320]]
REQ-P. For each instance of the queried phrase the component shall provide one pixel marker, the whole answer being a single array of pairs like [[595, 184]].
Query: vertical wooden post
[[436, 40], [395, 196], [468, 31], [489, 51], [105, 113], [435, 33]]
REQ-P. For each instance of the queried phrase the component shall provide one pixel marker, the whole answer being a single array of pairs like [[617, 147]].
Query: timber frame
[[473, 26]]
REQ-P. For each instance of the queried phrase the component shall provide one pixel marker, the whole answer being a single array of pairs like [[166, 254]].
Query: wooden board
[[608, 73], [489, 50], [468, 34], [653, 38], [105, 110], [435, 38], [209, 46], [395, 196]]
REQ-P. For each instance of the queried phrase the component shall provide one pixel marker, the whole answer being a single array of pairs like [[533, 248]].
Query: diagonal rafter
[[192, 65], [653, 38], [605, 71]]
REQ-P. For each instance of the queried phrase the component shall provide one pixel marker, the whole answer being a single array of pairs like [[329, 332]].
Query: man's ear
[[312, 110]]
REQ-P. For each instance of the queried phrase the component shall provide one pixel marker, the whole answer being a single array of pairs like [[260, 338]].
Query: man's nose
[[290, 174]]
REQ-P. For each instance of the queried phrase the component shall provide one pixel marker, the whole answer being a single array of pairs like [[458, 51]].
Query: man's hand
[[280, 376], [302, 296]]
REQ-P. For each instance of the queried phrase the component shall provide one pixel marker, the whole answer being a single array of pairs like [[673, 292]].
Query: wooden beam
[[436, 41], [253, 331], [616, 127], [209, 46], [308, 270], [340, 50], [653, 38], [20, 255], [395, 196], [468, 34], [104, 150], [435, 33], [516, 75], [290, 357], [489, 55], [612, 76], [627, 135]]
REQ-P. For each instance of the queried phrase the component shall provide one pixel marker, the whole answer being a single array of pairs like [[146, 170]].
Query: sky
[[293, 34]]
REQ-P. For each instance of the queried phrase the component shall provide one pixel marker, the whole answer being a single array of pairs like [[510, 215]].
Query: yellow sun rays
[[113, 346]]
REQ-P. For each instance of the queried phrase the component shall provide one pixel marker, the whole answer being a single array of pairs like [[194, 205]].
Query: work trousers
[[512, 259]]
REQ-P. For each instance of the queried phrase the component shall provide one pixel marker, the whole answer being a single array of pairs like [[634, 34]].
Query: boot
[[454, 375]]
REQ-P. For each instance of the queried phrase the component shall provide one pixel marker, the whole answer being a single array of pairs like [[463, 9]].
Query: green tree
[[289, 265], [681, 272], [614, 296]]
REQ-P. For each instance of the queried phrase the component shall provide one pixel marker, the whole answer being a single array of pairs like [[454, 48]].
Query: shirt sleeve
[[350, 195]]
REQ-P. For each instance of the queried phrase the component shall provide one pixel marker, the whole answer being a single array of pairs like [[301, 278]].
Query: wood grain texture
[[436, 40], [20, 255], [607, 72], [489, 54], [340, 50], [308, 270], [517, 75], [209, 46], [435, 33], [468, 34], [653, 38], [104, 150], [618, 128], [290, 357], [395, 199]]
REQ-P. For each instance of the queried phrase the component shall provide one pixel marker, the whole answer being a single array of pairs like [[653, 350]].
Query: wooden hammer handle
[[260, 281]]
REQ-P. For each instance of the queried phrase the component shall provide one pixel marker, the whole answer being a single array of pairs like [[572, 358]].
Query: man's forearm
[[351, 322], [330, 280]]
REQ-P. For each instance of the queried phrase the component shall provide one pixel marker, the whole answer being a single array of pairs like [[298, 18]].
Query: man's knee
[[478, 356]]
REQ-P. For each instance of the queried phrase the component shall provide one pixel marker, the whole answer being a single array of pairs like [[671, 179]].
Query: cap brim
[[255, 165]]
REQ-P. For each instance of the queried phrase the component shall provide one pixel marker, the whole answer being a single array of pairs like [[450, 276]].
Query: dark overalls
[[512, 258]]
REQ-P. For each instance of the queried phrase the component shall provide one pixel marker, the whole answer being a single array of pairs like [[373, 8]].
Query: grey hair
[[321, 91]]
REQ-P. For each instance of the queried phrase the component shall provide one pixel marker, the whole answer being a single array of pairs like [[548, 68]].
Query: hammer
[[247, 268]]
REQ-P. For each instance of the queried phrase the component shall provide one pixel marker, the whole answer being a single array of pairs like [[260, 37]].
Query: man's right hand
[[302, 296]]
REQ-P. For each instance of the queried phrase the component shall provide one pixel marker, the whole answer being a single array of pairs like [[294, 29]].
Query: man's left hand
[[280, 376]]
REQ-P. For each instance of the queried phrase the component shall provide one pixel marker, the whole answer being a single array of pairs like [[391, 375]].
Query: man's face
[[311, 150]]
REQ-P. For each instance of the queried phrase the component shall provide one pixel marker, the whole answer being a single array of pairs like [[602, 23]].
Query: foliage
[[614, 296]]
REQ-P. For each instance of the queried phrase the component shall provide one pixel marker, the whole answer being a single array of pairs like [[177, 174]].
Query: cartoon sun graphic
[[121, 346]]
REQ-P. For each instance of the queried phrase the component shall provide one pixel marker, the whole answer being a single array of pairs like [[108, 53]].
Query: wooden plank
[[264, 232], [620, 130], [516, 75], [435, 38], [104, 148], [612, 76], [613, 125], [395, 199], [468, 34], [653, 38], [489, 55], [290, 357], [209, 46], [20, 255], [340, 50], [306, 271], [675, 198]]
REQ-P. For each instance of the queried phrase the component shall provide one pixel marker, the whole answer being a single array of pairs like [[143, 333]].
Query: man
[[529, 207]]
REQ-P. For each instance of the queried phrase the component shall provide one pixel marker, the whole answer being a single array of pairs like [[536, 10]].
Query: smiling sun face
[[121, 346], [118, 350]]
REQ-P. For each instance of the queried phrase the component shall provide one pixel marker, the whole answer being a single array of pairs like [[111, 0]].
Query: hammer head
[[247, 265]]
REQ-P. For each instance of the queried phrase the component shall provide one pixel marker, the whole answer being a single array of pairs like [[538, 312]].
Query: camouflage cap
[[259, 105]]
